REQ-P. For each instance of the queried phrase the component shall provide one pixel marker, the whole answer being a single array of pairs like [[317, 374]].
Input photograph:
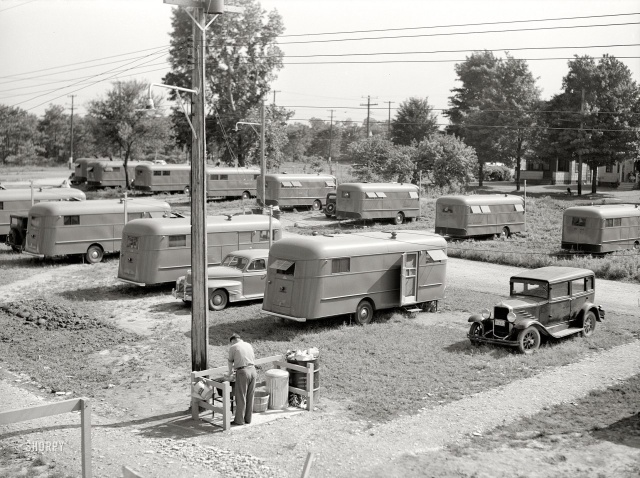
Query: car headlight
[[486, 313], [511, 317]]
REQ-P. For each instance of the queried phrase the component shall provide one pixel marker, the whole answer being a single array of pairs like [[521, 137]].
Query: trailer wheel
[[399, 218], [94, 254], [187, 190], [317, 205], [505, 232], [364, 312], [218, 299], [246, 195], [636, 245]]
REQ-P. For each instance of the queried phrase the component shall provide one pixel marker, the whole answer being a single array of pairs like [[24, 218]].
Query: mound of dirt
[[50, 314]]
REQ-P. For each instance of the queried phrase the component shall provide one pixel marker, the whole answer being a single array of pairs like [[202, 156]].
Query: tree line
[[495, 115]]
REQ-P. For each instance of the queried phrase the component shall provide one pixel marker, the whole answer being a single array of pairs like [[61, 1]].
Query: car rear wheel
[[364, 312], [589, 324], [218, 299], [94, 254], [330, 210], [528, 340]]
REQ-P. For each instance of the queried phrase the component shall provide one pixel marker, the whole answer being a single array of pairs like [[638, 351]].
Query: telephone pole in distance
[[368, 105]]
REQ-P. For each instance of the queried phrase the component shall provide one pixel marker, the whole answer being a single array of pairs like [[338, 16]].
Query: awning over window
[[287, 184], [519, 207], [330, 184], [437, 255], [281, 264], [413, 194]]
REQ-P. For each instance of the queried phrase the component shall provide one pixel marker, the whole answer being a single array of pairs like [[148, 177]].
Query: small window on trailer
[[381, 195], [475, 210], [116, 169], [371, 195], [346, 194], [71, 220], [518, 207], [132, 242], [437, 255], [296, 184], [283, 267], [286, 184], [330, 184], [166, 173], [578, 221], [224, 176], [178, 241], [213, 177], [613, 222], [157, 173], [485, 209], [1, 205], [342, 264], [413, 194]]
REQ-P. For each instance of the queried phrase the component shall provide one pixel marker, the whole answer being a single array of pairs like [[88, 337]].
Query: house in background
[[625, 174], [555, 171]]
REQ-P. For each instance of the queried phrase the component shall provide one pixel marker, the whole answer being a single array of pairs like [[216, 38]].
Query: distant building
[[555, 171]]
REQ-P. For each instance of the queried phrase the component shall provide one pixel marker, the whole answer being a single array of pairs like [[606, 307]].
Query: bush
[[497, 173]]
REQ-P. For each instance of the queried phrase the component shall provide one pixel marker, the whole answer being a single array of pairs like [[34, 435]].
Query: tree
[[495, 109], [602, 129], [413, 122], [377, 160], [19, 136], [55, 129], [241, 61], [120, 122], [446, 160], [299, 138]]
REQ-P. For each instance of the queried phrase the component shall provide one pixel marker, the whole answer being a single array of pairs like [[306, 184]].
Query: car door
[[255, 278], [581, 292], [559, 311]]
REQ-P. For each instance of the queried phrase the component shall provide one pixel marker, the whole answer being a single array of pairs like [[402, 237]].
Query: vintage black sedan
[[549, 301]]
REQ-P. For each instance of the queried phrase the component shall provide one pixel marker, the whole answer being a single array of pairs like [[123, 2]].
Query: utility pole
[[368, 105], [330, 140], [389, 121], [274, 95], [263, 165], [71, 139], [579, 151]]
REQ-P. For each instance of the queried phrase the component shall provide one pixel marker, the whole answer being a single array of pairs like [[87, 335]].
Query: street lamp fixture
[[151, 106]]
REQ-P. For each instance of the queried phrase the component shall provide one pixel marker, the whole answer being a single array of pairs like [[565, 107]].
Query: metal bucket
[[277, 382], [202, 390]]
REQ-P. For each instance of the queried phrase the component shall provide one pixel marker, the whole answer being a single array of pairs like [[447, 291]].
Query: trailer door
[[409, 278]]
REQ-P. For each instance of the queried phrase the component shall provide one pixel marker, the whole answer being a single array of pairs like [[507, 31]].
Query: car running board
[[566, 332]]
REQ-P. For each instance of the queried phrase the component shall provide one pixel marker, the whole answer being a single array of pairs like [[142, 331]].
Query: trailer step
[[414, 310]]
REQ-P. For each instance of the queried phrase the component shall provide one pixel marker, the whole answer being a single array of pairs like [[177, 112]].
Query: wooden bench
[[224, 388]]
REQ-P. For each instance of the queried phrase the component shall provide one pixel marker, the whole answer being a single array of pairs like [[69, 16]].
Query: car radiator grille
[[501, 314]]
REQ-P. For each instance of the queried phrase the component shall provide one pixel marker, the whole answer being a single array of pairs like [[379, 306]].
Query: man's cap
[[234, 336]]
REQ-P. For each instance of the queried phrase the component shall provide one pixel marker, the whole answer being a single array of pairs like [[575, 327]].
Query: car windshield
[[235, 261], [529, 288]]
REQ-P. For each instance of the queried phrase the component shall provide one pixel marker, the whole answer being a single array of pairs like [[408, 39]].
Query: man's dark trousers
[[244, 390]]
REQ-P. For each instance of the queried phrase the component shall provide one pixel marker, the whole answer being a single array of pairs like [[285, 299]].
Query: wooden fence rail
[[83, 405]]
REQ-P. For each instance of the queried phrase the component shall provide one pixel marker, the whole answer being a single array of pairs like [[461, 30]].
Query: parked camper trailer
[[293, 190], [310, 277], [155, 251], [232, 182], [111, 174], [395, 201], [92, 228], [170, 178], [19, 201], [79, 175], [479, 215], [602, 228]]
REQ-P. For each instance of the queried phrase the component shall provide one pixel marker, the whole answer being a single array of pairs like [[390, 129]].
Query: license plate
[[499, 322]]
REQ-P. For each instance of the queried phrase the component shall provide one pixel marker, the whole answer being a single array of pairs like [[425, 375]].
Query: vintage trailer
[[111, 174], [293, 190], [395, 201], [232, 182], [155, 251], [602, 228], [19, 201], [479, 215], [169, 178], [92, 228], [310, 277], [80, 165]]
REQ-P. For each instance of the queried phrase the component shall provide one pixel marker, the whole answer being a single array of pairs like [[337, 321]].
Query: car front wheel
[[218, 299], [528, 340], [475, 332], [589, 324]]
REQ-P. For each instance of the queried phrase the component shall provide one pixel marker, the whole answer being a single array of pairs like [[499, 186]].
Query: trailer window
[[132, 242], [116, 169], [381, 195], [613, 222], [71, 220], [1, 205], [340, 265], [413, 195], [436, 255], [346, 194], [475, 210], [578, 221], [166, 173], [178, 241], [213, 177], [157, 173], [286, 184], [371, 195], [283, 267], [330, 184], [296, 184], [224, 176], [447, 209], [519, 207], [485, 209], [134, 215], [261, 236]]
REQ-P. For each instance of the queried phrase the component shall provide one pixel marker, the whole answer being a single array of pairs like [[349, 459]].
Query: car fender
[[524, 323], [589, 306], [476, 318], [233, 287]]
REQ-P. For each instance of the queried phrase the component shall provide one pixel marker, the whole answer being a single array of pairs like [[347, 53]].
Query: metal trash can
[[277, 382]]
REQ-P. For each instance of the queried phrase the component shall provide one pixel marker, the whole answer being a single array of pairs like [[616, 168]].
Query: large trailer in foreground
[[310, 277]]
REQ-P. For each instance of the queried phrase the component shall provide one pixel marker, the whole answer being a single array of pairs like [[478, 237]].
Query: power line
[[432, 61], [463, 25], [510, 30]]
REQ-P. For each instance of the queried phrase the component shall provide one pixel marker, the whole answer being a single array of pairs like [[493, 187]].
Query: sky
[[64, 51]]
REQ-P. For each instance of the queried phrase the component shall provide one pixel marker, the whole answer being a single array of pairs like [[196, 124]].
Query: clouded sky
[[391, 51]]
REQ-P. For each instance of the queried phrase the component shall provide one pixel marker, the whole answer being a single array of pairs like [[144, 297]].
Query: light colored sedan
[[241, 276]]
